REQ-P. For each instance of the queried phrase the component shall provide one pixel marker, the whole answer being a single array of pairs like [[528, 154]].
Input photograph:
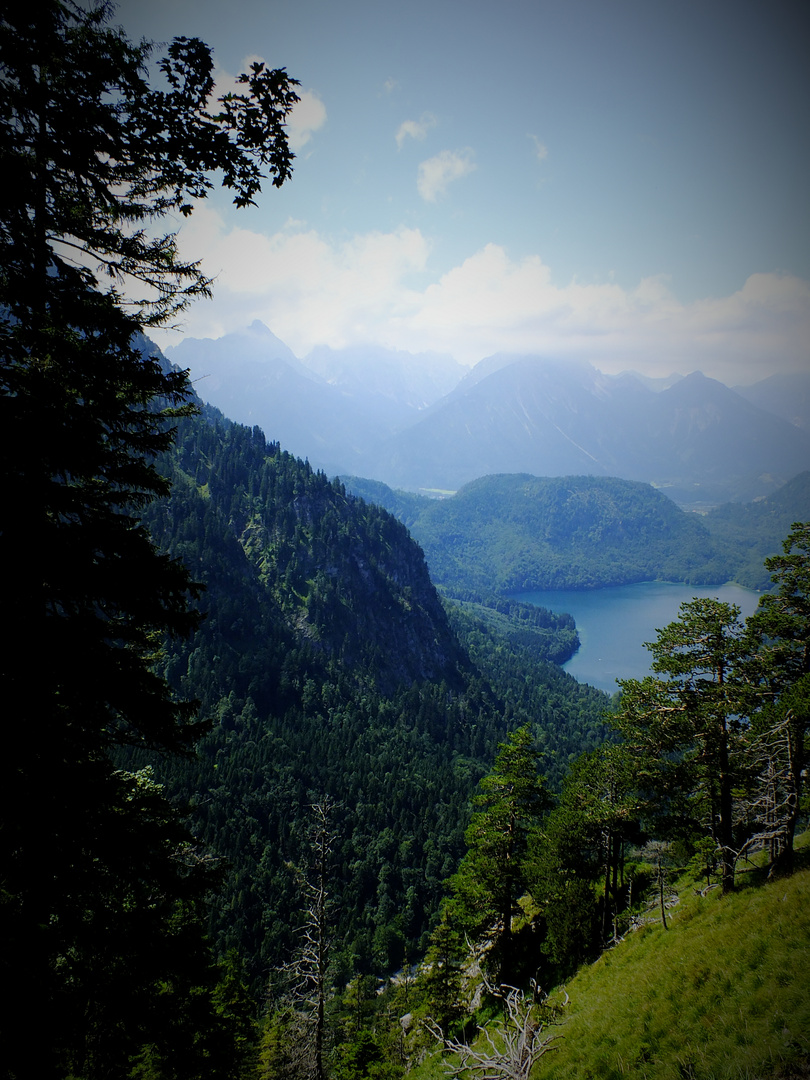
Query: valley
[[336, 675], [297, 784], [335, 671]]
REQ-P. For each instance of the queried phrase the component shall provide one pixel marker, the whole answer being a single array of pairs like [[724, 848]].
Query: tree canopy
[[687, 725], [492, 875], [93, 157]]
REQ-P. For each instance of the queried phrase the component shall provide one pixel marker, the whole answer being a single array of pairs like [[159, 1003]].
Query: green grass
[[724, 994]]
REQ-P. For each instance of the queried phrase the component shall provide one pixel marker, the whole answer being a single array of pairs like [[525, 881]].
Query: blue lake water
[[614, 623]]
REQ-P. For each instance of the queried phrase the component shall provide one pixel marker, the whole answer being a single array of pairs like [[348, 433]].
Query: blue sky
[[624, 182]]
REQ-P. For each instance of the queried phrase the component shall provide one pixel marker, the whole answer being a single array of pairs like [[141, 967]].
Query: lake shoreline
[[614, 621]]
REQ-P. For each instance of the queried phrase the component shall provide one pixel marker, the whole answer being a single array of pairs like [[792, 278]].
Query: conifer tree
[[779, 672], [92, 158], [685, 728], [492, 875], [581, 846], [441, 978]]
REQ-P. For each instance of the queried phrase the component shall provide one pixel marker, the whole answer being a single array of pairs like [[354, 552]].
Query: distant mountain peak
[[260, 329], [656, 383]]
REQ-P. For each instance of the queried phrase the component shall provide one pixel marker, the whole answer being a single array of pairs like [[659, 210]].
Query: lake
[[614, 623]]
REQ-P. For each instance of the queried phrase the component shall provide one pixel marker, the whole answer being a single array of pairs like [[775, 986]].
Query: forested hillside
[[518, 532], [371, 773], [331, 668], [664, 886], [747, 533]]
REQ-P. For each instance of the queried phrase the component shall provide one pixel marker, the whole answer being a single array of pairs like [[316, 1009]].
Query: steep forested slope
[[329, 667], [749, 532], [510, 649]]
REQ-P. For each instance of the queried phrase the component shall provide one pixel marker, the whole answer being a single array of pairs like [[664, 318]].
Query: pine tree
[[98, 898], [685, 729], [442, 978], [779, 671], [492, 875], [582, 846]]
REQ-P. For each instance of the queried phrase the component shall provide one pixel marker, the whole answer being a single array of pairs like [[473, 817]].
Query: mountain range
[[419, 422], [334, 410]]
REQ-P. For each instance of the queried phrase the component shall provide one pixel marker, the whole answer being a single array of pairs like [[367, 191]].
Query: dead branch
[[507, 1049]]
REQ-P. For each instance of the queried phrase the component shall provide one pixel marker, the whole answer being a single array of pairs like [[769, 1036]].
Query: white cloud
[[438, 172], [378, 287], [415, 129], [307, 290], [540, 148], [307, 116]]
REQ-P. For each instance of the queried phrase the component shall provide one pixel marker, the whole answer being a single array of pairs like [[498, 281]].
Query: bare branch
[[507, 1049]]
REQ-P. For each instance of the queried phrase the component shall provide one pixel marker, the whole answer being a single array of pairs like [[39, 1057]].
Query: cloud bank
[[379, 288]]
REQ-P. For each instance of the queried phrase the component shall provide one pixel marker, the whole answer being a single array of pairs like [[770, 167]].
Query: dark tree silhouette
[[92, 158]]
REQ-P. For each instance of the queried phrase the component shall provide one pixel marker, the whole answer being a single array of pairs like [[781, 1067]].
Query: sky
[[621, 181]]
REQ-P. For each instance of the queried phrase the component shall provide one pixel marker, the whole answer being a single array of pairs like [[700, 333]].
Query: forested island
[[276, 807]]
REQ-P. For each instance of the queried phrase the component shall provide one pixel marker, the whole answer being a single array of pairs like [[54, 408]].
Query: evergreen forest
[[333, 670], [519, 533], [274, 806]]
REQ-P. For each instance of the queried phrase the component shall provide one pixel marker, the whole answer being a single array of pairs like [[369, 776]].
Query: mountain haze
[[332, 408], [787, 396], [697, 438], [413, 421], [409, 381]]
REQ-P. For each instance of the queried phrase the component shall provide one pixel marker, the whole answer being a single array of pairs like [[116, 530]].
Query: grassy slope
[[724, 993]]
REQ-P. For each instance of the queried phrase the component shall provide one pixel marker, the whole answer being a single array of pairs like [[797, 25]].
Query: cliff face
[[327, 667], [334, 574]]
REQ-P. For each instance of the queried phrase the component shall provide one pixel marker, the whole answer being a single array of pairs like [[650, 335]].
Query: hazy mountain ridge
[[330, 408], [787, 396], [413, 381], [697, 438], [419, 422]]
